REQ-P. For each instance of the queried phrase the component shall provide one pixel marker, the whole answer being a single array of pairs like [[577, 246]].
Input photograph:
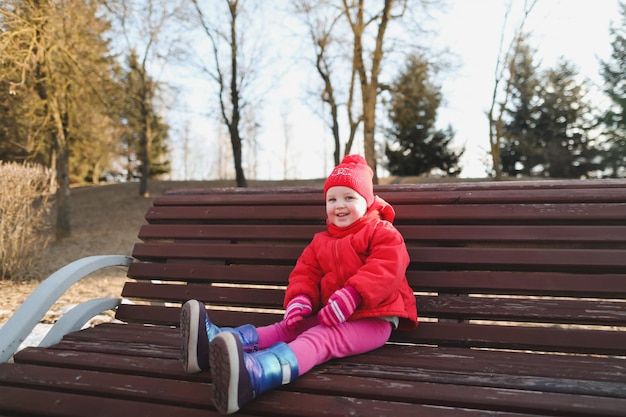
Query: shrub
[[24, 208]]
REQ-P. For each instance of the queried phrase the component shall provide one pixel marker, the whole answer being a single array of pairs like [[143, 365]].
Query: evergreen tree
[[563, 125], [519, 151], [416, 147], [145, 132], [548, 124], [614, 120]]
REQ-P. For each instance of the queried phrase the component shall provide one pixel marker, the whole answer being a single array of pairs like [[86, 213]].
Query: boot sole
[[228, 372], [189, 321]]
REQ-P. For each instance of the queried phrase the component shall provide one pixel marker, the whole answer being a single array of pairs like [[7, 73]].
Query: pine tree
[[145, 132], [614, 120], [416, 147], [547, 128]]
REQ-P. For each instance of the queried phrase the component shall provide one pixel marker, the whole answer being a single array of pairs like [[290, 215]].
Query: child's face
[[344, 206]]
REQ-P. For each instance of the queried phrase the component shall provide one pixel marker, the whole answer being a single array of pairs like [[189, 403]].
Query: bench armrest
[[26, 317], [76, 318]]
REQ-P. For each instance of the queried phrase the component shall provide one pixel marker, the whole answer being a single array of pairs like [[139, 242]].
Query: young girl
[[346, 293]]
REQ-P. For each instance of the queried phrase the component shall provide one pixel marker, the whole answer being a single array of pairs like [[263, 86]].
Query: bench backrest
[[514, 265]]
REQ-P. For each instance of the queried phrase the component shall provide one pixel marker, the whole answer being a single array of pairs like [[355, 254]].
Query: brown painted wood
[[521, 287]]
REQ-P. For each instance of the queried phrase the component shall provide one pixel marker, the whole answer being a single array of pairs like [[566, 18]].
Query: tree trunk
[[235, 141], [63, 201], [369, 127]]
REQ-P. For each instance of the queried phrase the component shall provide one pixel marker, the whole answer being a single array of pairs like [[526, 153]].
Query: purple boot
[[239, 377], [197, 331]]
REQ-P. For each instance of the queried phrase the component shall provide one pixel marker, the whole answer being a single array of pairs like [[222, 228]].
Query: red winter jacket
[[369, 255]]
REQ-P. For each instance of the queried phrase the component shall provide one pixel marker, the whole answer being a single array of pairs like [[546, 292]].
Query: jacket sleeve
[[305, 278], [384, 269]]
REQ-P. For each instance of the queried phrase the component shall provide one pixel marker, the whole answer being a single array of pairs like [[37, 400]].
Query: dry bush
[[24, 207]]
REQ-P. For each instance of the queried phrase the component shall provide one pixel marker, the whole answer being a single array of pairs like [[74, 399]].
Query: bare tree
[[502, 93], [354, 11], [322, 30], [232, 78], [147, 27], [367, 27]]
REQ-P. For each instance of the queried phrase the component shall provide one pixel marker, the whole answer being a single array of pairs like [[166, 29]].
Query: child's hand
[[340, 306], [298, 308]]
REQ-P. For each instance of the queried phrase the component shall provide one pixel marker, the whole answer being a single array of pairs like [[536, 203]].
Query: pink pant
[[314, 343]]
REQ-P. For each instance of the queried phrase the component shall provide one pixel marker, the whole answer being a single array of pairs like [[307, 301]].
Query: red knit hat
[[353, 172]]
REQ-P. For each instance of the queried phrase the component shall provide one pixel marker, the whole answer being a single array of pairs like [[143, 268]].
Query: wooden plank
[[275, 403], [495, 362], [569, 190], [502, 233], [368, 390], [170, 316], [102, 384], [414, 360], [284, 214], [411, 233], [287, 253], [573, 284], [230, 232], [38, 402], [547, 259], [607, 313], [491, 213], [108, 362], [206, 273], [536, 259], [547, 384], [466, 213], [486, 282], [156, 336], [472, 397], [229, 296], [548, 339]]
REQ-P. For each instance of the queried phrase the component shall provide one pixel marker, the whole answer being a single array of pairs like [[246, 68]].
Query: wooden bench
[[520, 287]]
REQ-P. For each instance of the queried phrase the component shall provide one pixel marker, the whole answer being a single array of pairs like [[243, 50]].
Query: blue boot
[[197, 331], [239, 377]]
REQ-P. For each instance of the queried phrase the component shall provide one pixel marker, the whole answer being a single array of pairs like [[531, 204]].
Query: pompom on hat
[[353, 172]]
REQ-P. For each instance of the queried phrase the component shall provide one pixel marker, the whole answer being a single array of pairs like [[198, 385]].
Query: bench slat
[[516, 259], [568, 191], [230, 232], [440, 233], [198, 272], [563, 311], [495, 362], [549, 339], [466, 213], [253, 297], [612, 286], [546, 259], [467, 396], [350, 381], [30, 401], [487, 282], [125, 387]]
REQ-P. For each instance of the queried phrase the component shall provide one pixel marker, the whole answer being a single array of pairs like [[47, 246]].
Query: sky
[[577, 30]]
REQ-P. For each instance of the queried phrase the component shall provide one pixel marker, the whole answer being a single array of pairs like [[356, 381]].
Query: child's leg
[[279, 332], [239, 377], [321, 343]]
